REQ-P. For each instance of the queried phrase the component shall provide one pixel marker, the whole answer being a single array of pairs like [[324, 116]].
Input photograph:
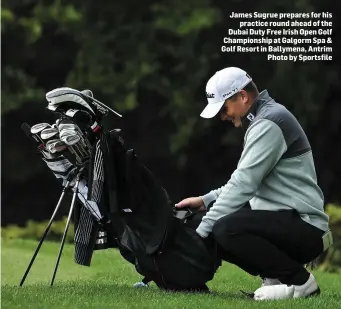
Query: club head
[[56, 146], [70, 140], [39, 127], [66, 133], [68, 126], [35, 137], [69, 131], [48, 133], [51, 141]]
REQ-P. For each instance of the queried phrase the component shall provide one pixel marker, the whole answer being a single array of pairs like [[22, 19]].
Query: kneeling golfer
[[268, 219]]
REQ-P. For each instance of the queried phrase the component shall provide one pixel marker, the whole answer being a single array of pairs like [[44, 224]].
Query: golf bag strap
[[85, 233], [109, 170], [101, 150], [114, 224], [159, 240], [91, 172]]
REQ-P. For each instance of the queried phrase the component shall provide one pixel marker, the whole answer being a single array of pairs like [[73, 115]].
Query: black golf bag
[[137, 215], [141, 222]]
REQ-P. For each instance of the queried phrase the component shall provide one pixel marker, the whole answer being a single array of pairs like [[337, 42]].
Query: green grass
[[107, 283]]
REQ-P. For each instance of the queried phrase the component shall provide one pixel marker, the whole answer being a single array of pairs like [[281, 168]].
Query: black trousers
[[270, 244]]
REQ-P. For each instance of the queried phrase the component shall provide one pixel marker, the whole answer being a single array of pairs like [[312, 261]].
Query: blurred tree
[[151, 60]]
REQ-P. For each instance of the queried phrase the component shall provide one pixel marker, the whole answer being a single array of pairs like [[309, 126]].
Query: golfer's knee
[[228, 225], [226, 239]]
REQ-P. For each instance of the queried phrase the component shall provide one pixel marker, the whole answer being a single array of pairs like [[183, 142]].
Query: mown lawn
[[108, 284]]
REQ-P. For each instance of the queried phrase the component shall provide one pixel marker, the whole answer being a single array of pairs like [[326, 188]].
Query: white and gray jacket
[[276, 170]]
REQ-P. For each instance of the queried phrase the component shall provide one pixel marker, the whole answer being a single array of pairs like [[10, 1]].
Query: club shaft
[[65, 231], [81, 148], [44, 235], [102, 104], [83, 143], [74, 151]]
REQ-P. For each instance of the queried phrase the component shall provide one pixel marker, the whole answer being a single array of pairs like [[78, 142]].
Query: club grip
[[27, 130]]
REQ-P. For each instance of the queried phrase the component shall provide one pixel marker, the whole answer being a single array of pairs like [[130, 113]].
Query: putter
[[45, 234]]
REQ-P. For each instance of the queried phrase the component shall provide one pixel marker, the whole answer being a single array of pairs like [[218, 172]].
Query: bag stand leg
[[45, 233], [66, 228]]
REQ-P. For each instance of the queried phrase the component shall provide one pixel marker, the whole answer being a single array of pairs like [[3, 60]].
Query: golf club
[[48, 133], [37, 128], [35, 137], [57, 146]]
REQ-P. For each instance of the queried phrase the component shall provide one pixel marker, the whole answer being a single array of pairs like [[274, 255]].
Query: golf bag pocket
[[186, 263], [183, 262]]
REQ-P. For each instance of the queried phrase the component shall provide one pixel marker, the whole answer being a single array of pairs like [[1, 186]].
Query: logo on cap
[[231, 91], [209, 95]]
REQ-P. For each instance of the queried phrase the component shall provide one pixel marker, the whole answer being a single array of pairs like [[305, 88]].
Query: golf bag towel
[[149, 233]]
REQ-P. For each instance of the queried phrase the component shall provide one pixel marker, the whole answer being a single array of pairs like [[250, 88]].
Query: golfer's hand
[[192, 202]]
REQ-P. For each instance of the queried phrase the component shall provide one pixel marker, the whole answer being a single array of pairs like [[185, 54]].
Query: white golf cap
[[221, 86]]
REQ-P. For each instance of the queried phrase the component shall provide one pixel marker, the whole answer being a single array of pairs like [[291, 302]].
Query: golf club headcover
[[62, 168]]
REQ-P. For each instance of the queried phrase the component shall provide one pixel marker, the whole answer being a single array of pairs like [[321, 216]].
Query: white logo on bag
[[71, 112], [100, 108], [250, 117]]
